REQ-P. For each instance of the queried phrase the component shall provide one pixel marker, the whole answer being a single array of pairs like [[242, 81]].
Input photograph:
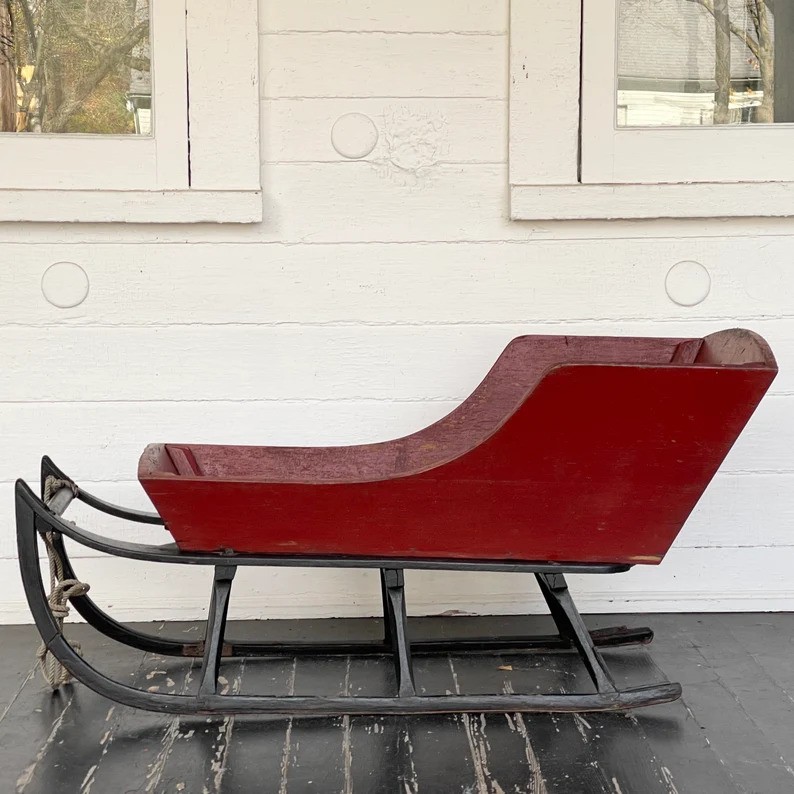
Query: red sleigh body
[[572, 449]]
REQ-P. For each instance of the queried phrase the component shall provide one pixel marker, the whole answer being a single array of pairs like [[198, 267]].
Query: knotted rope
[[61, 590]]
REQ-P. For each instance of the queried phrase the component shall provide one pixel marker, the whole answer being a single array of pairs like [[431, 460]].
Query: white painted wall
[[370, 302]]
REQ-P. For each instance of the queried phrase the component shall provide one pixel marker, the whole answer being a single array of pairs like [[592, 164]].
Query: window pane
[[705, 62], [75, 66]]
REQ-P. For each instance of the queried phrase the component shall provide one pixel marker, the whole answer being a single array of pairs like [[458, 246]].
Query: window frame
[[663, 154], [551, 186], [201, 165]]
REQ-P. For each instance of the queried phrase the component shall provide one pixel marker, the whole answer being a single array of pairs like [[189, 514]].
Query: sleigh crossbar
[[37, 517]]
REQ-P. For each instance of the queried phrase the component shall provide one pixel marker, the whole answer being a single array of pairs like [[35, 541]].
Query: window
[[95, 122], [75, 67], [675, 108]]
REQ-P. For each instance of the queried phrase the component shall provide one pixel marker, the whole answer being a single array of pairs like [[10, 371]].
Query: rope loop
[[52, 485], [61, 590]]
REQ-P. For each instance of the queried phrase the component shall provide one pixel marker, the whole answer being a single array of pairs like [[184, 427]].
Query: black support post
[[387, 619], [570, 625], [216, 629], [397, 622]]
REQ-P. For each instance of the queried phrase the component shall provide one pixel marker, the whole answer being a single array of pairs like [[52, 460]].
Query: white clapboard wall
[[369, 303]]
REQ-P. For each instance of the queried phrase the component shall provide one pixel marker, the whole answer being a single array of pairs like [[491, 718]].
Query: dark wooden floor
[[733, 731]]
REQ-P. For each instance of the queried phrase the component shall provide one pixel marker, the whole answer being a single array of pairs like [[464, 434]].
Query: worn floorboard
[[732, 732]]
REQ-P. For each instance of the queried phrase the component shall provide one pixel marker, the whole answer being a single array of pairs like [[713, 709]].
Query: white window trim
[[672, 154], [108, 162], [544, 138], [220, 182]]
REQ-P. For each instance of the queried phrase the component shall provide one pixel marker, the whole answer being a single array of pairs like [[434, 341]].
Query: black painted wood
[[216, 629], [733, 731], [396, 617]]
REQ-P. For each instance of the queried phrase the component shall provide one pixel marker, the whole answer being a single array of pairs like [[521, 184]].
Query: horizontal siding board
[[263, 234], [764, 443], [250, 363], [357, 202], [452, 130], [742, 511], [411, 16], [383, 65], [688, 580], [95, 441], [543, 282]]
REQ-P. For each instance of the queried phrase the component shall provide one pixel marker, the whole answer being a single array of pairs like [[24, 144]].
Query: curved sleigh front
[[585, 449]]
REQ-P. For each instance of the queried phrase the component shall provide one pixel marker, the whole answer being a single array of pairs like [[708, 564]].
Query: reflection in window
[[75, 66], [705, 62]]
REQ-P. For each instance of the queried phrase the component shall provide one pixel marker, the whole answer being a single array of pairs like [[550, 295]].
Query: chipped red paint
[[572, 449]]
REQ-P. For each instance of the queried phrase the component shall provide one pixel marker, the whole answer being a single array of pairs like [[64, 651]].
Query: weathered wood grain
[[480, 16], [100, 748], [450, 130], [196, 748], [381, 284], [256, 747], [768, 639], [53, 736], [706, 743], [382, 64], [18, 668], [503, 753], [316, 758]]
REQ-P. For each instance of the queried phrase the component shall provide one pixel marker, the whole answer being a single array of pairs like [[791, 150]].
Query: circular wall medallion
[[65, 285], [354, 135], [688, 283]]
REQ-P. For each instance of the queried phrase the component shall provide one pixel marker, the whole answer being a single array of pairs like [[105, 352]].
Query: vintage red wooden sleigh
[[575, 454]]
